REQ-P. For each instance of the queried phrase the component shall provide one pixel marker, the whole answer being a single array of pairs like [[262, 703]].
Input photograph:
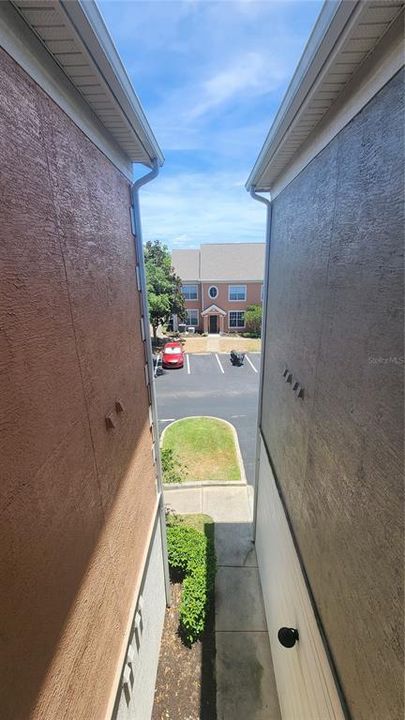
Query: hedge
[[192, 558]]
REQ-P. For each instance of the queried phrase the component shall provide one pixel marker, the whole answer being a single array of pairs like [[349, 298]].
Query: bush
[[173, 470], [253, 320], [192, 557]]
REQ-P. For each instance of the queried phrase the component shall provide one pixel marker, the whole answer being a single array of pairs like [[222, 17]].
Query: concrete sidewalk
[[244, 671]]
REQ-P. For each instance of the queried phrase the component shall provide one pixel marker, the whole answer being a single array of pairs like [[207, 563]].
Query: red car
[[173, 355]]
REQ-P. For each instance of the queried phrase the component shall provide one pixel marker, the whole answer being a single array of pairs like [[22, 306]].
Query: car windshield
[[172, 351]]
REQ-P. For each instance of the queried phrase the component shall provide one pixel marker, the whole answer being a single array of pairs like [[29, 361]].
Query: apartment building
[[82, 534], [329, 484], [220, 280]]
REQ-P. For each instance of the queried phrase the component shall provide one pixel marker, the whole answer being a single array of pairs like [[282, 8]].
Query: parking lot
[[209, 385]]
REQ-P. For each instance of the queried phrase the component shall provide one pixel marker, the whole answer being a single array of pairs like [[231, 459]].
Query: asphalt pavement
[[209, 385]]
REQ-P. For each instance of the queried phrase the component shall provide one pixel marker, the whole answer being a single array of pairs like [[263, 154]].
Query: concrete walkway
[[246, 687]]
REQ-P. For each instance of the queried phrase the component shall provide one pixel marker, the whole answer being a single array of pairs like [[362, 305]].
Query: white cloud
[[186, 209]]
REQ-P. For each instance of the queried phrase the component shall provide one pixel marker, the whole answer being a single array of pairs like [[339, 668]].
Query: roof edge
[[328, 26], [89, 24], [346, 39]]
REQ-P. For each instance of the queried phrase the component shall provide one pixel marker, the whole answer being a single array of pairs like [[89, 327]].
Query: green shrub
[[192, 556], [173, 470], [253, 320]]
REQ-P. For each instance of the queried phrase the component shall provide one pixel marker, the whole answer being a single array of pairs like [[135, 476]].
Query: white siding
[[135, 701], [305, 683]]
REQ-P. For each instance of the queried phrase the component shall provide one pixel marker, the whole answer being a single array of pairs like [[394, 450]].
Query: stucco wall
[[335, 320], [77, 500]]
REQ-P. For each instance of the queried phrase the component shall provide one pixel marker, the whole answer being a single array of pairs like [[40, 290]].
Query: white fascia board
[[89, 25], [18, 40], [331, 21], [384, 63]]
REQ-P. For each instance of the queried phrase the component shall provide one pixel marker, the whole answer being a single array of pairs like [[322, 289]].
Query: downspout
[[141, 280], [269, 206]]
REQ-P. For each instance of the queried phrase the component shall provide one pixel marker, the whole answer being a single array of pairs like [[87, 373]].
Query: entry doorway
[[213, 323]]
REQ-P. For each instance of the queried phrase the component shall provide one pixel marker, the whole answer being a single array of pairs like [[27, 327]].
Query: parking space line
[[188, 364], [250, 363], [219, 363], [167, 419]]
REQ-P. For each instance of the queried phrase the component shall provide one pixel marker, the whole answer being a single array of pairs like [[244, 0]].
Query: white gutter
[[141, 276], [331, 21], [267, 202], [88, 22]]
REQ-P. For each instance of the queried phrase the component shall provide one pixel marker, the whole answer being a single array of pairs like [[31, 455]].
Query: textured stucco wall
[[336, 321], [77, 500], [137, 704]]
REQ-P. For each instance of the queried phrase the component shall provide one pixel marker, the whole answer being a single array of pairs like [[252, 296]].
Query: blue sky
[[210, 76]]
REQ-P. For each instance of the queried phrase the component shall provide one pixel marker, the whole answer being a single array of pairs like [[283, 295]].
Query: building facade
[[329, 514], [220, 281], [81, 546]]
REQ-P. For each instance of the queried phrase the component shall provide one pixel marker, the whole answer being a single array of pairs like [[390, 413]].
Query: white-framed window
[[213, 292], [236, 319], [237, 292], [190, 292], [192, 317]]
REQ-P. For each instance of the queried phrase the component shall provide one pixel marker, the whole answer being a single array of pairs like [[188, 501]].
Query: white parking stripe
[[250, 363], [188, 364], [167, 419], [219, 363]]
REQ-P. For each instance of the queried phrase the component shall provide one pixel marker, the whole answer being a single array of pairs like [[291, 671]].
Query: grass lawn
[[205, 446], [203, 523]]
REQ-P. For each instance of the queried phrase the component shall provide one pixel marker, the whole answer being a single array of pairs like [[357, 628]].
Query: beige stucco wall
[[77, 499]]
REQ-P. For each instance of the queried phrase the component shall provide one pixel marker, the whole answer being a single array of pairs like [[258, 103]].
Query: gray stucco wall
[[335, 319]]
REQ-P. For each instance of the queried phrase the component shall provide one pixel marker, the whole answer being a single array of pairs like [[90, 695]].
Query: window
[[236, 319], [192, 317], [190, 292], [237, 292], [213, 292], [261, 293], [173, 351]]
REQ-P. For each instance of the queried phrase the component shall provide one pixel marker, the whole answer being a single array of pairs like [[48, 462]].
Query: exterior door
[[213, 323], [305, 683]]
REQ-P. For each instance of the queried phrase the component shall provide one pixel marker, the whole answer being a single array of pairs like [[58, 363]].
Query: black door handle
[[288, 636]]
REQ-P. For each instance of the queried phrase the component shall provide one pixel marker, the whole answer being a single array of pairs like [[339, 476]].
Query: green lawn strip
[[205, 447], [191, 551]]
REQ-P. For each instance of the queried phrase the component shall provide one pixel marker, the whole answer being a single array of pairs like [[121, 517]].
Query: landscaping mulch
[[185, 684]]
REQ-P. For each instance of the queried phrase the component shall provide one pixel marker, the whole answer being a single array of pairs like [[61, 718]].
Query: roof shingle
[[221, 261]]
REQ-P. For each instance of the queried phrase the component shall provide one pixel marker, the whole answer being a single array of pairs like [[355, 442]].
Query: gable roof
[[227, 262], [77, 40], [213, 309], [344, 36]]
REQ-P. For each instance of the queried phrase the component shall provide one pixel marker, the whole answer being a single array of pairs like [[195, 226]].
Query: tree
[[163, 285], [253, 319]]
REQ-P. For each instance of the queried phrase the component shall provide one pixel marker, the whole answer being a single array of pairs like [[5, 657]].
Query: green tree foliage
[[253, 320], [164, 286]]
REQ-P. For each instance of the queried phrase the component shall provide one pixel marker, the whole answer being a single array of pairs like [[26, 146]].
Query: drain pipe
[[145, 326], [268, 204]]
